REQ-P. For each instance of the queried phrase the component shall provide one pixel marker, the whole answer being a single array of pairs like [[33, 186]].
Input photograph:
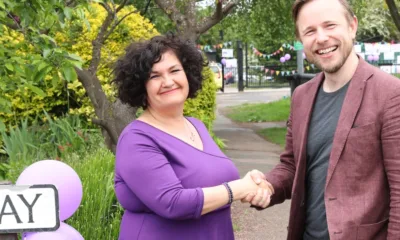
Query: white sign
[[388, 56], [357, 48], [384, 48], [395, 47], [227, 53], [231, 63], [28, 208]]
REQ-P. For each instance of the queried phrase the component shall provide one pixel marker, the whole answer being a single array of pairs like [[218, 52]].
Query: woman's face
[[167, 86]]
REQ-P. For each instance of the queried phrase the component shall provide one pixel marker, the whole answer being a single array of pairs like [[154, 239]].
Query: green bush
[[204, 105], [99, 215], [60, 96]]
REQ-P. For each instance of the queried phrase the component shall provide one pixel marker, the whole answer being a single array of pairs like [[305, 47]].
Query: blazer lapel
[[351, 105]]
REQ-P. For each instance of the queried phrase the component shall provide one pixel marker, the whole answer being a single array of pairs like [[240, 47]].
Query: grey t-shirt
[[321, 131]]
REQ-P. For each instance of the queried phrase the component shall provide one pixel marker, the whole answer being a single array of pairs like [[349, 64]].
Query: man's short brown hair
[[299, 4]]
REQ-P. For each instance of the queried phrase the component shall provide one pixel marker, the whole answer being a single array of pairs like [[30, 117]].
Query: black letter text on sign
[[28, 208]]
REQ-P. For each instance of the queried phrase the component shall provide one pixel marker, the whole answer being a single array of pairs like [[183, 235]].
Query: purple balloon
[[223, 61], [375, 57], [287, 56], [65, 231], [370, 58], [283, 59], [62, 176]]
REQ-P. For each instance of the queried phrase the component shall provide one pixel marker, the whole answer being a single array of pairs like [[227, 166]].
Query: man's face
[[326, 33]]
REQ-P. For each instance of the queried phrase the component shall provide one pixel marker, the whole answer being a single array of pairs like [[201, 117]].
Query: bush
[[203, 106], [60, 96], [100, 214]]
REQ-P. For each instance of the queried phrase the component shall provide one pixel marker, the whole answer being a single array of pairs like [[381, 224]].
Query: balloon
[[375, 57], [304, 56], [45, 236], [370, 58], [65, 231], [287, 56], [283, 59], [223, 61], [62, 176]]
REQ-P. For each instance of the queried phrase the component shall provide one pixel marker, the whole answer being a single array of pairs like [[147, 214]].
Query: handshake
[[257, 190]]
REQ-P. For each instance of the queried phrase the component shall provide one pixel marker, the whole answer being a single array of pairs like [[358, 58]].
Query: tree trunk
[[394, 12], [111, 117]]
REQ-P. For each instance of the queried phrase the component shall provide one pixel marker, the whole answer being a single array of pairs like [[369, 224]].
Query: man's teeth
[[324, 51]]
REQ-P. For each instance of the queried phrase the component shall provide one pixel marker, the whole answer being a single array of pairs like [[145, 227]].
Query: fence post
[[7, 236], [240, 65], [247, 66], [300, 65]]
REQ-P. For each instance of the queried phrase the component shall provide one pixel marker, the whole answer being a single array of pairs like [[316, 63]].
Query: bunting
[[285, 72], [277, 52], [214, 47]]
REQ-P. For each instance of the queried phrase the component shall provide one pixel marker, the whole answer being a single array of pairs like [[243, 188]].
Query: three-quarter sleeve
[[149, 175]]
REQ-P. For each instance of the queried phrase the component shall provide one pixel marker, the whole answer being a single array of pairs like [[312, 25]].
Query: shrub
[[203, 106], [61, 96]]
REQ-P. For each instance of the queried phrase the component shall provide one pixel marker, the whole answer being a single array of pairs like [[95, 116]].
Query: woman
[[171, 178]]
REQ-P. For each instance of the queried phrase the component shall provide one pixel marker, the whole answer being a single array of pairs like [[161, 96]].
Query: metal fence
[[268, 76]]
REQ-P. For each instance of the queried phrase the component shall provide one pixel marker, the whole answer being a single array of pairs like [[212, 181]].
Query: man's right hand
[[256, 199]]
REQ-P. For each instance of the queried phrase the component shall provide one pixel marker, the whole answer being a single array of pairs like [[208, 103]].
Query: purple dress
[[158, 181]]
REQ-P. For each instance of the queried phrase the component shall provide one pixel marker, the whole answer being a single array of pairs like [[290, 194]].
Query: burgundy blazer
[[362, 191]]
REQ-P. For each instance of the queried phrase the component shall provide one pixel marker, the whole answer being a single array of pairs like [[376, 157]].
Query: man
[[341, 165]]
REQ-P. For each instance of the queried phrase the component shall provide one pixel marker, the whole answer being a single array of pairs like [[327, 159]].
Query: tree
[[394, 12], [184, 15], [374, 21], [37, 19]]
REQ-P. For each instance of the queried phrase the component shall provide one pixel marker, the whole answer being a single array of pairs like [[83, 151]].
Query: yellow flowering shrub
[[59, 96]]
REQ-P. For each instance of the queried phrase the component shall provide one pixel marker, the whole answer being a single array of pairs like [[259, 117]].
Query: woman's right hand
[[258, 193]]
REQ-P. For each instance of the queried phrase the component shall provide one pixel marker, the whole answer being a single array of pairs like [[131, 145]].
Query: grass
[[274, 135], [262, 112]]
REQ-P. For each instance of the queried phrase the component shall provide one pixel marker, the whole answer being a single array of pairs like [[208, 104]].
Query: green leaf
[[87, 24], [2, 126], [76, 64], [46, 53], [69, 73], [36, 90], [55, 81], [68, 13], [42, 65], [42, 73], [9, 67], [75, 57]]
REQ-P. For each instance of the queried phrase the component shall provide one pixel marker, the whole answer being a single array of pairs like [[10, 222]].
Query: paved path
[[250, 151]]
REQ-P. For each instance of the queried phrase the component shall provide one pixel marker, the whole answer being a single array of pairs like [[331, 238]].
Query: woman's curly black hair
[[132, 71]]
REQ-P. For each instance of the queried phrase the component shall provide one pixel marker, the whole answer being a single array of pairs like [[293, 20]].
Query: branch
[[99, 41], [117, 23], [10, 25], [218, 15], [394, 13], [93, 89], [146, 8], [121, 6], [169, 8], [13, 18], [106, 127], [106, 7]]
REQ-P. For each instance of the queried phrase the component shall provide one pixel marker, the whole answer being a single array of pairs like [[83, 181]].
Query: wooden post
[[7, 236]]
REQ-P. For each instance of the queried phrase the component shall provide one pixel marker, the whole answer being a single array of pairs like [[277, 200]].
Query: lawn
[[261, 112], [274, 135]]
